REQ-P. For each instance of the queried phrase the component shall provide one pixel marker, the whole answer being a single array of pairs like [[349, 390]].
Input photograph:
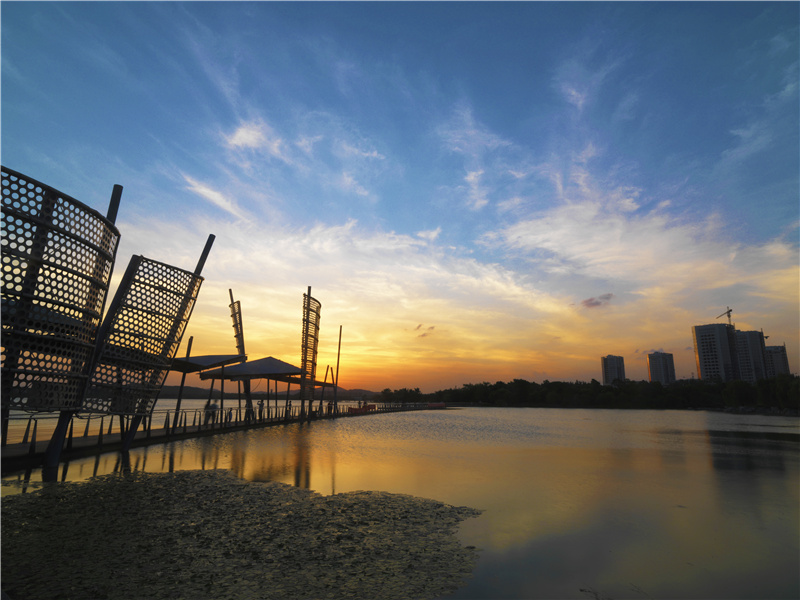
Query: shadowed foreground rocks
[[207, 534]]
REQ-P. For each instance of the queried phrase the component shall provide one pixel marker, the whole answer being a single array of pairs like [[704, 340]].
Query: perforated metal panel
[[141, 334], [311, 317], [57, 257], [238, 326]]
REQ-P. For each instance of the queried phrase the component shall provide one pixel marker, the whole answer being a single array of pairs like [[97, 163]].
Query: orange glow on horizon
[[433, 345]]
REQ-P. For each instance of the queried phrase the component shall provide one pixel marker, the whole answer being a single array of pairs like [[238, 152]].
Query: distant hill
[[231, 391]]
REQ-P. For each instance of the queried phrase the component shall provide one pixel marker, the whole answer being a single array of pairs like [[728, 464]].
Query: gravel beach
[[208, 534]]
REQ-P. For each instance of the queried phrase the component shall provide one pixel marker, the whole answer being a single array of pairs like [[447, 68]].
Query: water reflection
[[619, 503]]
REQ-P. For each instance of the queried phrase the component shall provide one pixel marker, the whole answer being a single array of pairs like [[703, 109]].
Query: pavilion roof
[[262, 368], [193, 364]]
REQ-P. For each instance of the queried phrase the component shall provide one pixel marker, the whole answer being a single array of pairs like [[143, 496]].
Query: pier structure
[[107, 433], [63, 361], [59, 354], [274, 370]]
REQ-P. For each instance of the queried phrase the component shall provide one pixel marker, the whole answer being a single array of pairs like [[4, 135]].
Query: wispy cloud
[[215, 197], [462, 134], [578, 82], [307, 143], [430, 234], [258, 136], [750, 140], [348, 183], [211, 54], [483, 155], [601, 300], [248, 135], [476, 194], [372, 282], [349, 150], [424, 331]]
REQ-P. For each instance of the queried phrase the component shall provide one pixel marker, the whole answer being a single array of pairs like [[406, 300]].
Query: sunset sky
[[474, 191]]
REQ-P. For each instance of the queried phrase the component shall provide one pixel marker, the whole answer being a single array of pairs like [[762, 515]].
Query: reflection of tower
[[715, 352], [661, 367], [302, 459], [311, 312], [613, 369]]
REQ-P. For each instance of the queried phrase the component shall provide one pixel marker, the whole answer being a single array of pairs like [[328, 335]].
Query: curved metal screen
[[311, 316], [57, 257], [238, 326], [140, 337]]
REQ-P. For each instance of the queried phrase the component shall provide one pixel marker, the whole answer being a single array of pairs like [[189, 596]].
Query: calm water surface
[[577, 503]]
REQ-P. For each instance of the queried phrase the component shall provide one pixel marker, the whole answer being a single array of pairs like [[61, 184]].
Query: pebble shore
[[207, 534]]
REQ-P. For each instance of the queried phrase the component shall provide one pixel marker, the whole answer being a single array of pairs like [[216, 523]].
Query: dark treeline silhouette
[[781, 392]]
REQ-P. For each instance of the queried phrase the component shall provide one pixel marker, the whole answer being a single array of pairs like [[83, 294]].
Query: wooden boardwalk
[[30, 453]]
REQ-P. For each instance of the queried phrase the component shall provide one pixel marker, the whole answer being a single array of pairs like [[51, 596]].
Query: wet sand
[[207, 534]]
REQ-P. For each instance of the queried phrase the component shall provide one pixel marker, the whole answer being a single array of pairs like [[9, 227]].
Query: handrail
[[108, 425]]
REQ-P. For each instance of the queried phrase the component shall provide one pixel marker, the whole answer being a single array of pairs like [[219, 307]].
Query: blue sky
[[474, 191]]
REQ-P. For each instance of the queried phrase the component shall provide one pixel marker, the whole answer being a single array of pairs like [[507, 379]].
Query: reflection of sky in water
[[623, 504]]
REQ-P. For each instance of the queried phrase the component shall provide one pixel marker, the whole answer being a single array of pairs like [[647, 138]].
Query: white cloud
[[462, 134], [248, 135], [588, 153], [486, 166], [259, 136], [626, 109], [578, 83], [430, 234], [371, 280], [350, 150], [750, 140], [214, 196], [573, 96], [510, 204], [476, 193], [602, 240], [307, 143], [349, 184]]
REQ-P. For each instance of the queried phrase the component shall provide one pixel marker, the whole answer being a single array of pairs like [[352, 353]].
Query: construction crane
[[727, 312]]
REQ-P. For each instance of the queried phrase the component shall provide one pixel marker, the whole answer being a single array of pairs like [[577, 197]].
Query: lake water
[[577, 503]]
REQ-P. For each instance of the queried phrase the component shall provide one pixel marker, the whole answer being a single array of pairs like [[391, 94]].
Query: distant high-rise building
[[776, 360], [715, 352], [661, 367], [613, 368], [750, 355]]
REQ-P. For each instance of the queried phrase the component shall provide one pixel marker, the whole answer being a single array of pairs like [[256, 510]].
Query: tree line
[[781, 392]]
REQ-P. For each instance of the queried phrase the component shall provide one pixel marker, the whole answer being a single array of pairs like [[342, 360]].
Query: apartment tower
[[661, 367], [776, 361], [750, 354], [613, 368], [715, 352]]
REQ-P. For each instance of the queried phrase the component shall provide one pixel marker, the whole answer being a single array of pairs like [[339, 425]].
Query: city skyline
[[473, 191]]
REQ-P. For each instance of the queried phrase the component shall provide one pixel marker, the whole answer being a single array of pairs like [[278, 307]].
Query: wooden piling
[[69, 434], [32, 449], [27, 430]]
